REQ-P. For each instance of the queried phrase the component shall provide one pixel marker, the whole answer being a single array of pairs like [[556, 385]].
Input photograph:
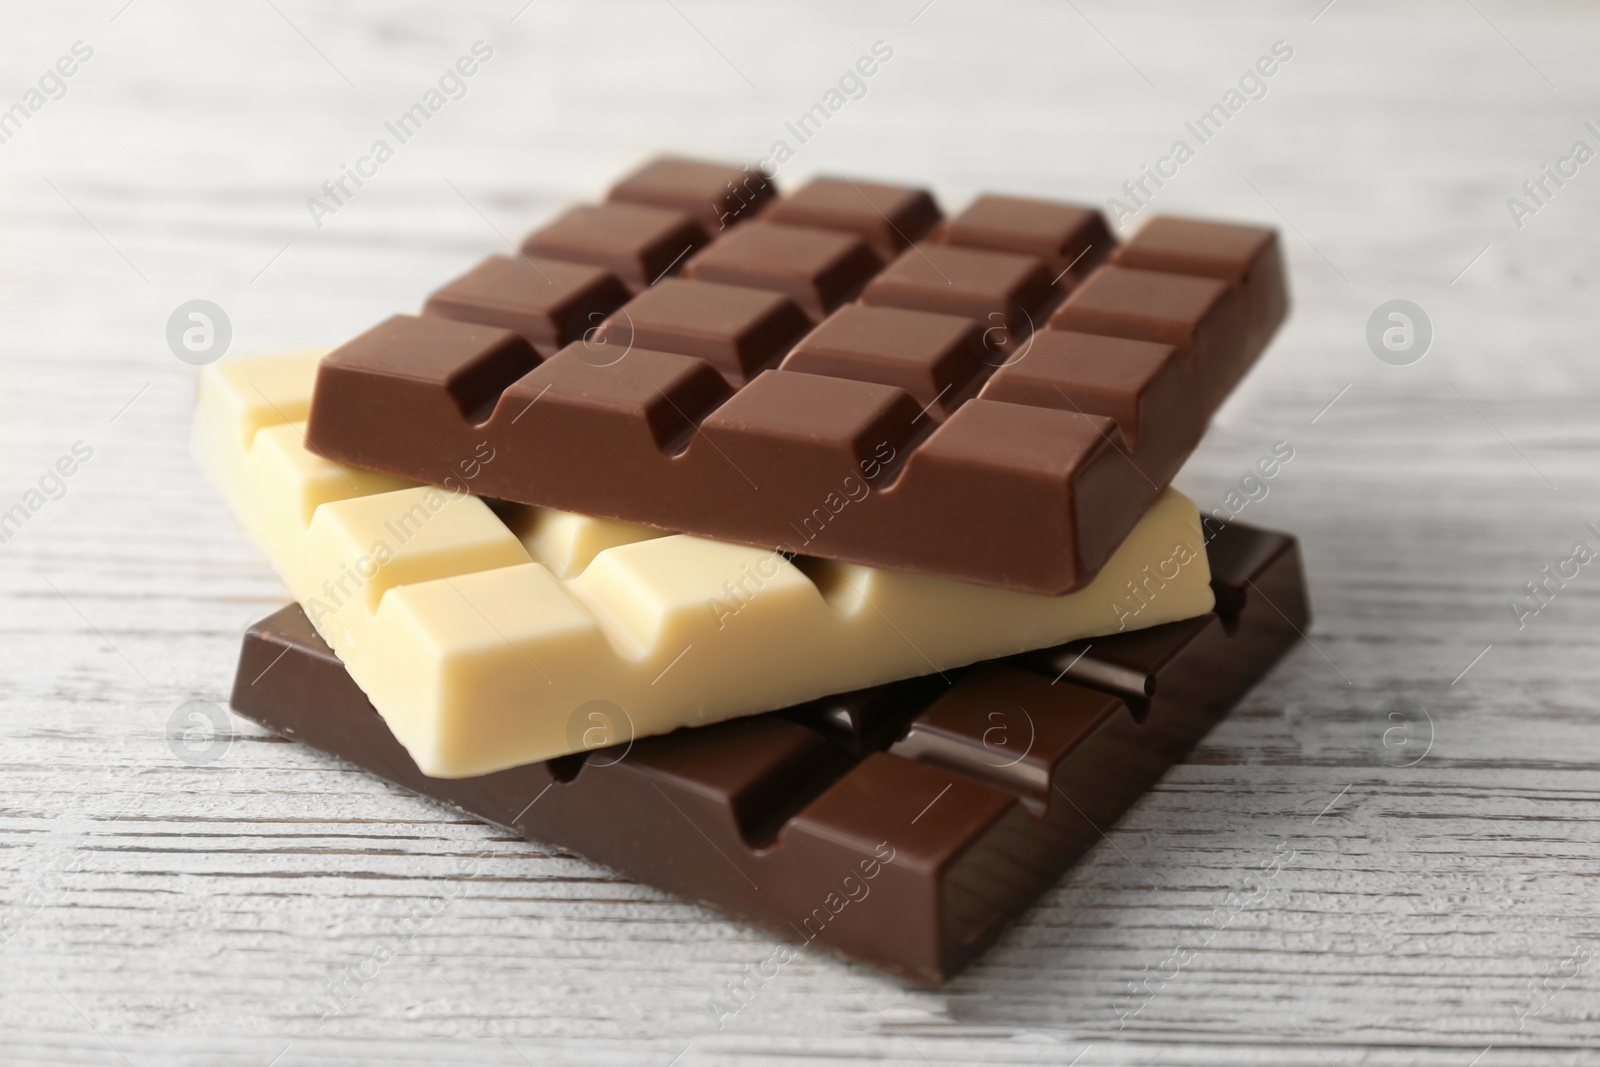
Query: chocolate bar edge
[[1061, 556], [958, 911]]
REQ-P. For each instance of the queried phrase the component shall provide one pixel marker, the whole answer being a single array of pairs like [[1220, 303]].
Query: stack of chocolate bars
[[810, 557]]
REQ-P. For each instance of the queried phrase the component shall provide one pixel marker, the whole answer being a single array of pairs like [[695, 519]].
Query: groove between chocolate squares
[[478, 631], [977, 821], [687, 444]]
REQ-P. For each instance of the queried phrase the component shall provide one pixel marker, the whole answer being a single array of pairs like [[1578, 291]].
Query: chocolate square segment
[[820, 269], [1198, 316], [626, 391], [936, 358], [983, 728], [636, 243], [548, 302], [1141, 384], [1063, 235], [1141, 304], [1246, 257], [988, 453], [1007, 293], [415, 372], [738, 331], [888, 217], [838, 424], [715, 194], [1190, 246]]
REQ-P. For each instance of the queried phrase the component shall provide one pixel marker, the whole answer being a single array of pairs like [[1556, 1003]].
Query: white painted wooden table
[[156, 911]]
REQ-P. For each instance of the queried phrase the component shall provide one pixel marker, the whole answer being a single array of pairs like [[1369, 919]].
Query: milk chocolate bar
[[1006, 391], [903, 826], [479, 631]]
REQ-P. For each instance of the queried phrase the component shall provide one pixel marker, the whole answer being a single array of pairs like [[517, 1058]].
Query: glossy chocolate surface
[[1012, 451], [715, 195], [818, 269], [549, 302], [638, 243], [903, 826], [888, 217], [1071, 240]]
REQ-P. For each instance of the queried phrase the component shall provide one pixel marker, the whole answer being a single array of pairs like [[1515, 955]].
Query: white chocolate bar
[[485, 639]]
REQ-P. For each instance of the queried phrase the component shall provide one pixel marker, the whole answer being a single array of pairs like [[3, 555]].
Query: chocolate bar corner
[[1022, 369], [903, 826], [703, 378]]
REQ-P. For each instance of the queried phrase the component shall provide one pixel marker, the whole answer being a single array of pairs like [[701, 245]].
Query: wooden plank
[[156, 911]]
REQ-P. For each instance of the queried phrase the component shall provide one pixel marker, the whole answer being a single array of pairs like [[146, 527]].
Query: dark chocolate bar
[[998, 397], [903, 826]]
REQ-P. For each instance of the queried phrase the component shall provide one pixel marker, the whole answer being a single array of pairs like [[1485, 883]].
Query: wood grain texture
[[158, 912]]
